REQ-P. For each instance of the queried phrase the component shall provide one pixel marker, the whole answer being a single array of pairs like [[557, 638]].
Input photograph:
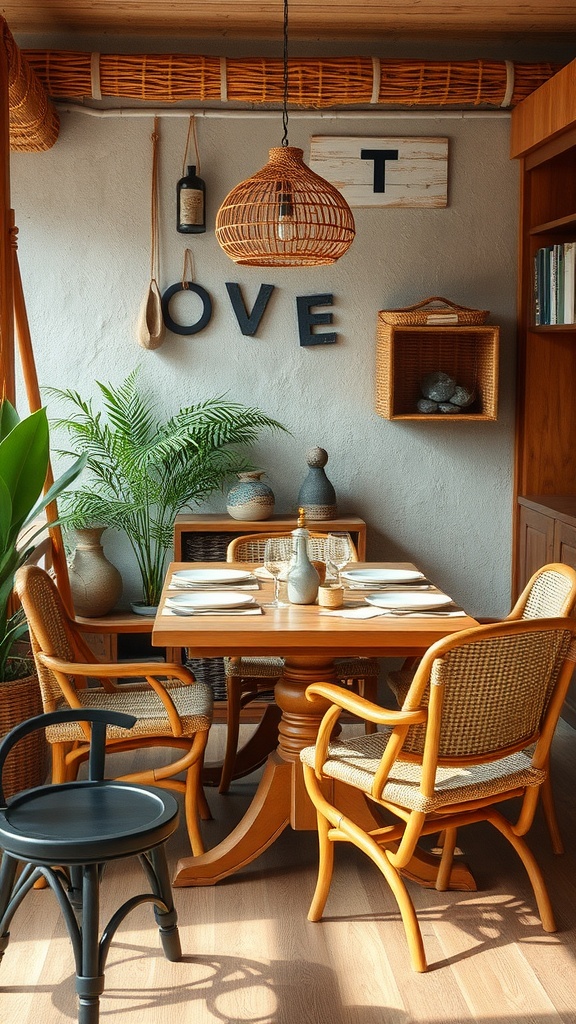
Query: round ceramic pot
[[95, 583], [251, 499]]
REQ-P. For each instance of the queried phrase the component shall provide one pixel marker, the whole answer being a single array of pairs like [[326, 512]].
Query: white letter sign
[[383, 172]]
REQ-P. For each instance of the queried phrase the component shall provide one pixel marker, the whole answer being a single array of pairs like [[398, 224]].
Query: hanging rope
[[151, 329], [191, 134], [155, 235], [187, 269]]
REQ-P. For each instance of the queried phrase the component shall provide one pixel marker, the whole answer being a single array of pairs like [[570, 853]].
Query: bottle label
[[191, 206]]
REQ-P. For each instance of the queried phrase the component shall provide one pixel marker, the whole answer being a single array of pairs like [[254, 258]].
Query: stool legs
[[90, 970], [82, 918], [165, 919]]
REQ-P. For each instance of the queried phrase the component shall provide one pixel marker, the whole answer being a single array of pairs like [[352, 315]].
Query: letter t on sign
[[379, 156], [307, 319]]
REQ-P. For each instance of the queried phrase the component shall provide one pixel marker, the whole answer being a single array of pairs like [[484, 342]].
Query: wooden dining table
[[308, 639]]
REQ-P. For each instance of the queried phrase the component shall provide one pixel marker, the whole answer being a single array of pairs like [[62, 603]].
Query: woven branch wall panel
[[313, 83]]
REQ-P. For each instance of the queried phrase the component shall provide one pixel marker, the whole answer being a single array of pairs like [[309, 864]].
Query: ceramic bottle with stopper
[[303, 580], [317, 495]]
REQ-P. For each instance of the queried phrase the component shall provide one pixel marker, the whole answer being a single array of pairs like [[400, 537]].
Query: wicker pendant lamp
[[285, 215]]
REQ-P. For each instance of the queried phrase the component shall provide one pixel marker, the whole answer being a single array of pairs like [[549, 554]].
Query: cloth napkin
[[257, 610], [178, 584], [370, 613]]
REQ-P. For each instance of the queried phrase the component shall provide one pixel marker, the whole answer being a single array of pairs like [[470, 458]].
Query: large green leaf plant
[[24, 460], [141, 472]]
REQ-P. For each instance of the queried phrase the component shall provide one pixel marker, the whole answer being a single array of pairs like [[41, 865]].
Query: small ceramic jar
[[330, 595]]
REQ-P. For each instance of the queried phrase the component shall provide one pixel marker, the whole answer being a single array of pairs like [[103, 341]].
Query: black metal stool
[[79, 826]]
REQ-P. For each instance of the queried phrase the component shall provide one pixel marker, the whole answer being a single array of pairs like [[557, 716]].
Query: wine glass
[[338, 551], [277, 551]]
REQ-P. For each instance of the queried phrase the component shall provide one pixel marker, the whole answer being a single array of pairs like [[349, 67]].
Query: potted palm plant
[[24, 459], [141, 472]]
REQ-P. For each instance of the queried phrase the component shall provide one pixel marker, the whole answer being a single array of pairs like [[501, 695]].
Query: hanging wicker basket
[[434, 312], [27, 764]]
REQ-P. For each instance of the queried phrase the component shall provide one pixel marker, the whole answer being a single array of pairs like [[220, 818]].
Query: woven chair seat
[[271, 668], [258, 667], [193, 704], [357, 760]]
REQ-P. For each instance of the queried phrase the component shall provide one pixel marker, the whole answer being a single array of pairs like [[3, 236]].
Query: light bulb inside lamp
[[286, 228]]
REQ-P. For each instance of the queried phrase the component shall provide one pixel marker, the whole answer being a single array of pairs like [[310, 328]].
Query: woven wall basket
[[434, 311], [27, 765], [34, 123]]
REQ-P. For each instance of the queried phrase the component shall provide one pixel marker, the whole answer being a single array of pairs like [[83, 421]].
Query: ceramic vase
[[251, 499], [95, 583], [317, 496]]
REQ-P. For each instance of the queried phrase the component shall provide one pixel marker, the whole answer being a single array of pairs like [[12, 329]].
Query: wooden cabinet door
[[565, 552], [536, 547], [565, 544]]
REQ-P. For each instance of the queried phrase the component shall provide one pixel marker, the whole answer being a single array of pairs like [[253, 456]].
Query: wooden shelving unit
[[543, 139]]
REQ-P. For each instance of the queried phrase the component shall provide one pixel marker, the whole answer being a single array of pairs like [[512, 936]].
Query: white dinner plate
[[409, 602], [377, 576], [200, 576], [215, 599]]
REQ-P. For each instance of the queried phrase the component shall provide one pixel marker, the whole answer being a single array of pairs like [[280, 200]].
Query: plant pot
[[27, 765], [95, 583], [139, 608]]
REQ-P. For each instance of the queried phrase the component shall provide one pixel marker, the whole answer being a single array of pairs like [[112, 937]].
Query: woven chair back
[[489, 692], [250, 548], [551, 592], [51, 630]]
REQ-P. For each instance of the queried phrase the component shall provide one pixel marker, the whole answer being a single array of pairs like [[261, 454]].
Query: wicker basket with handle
[[434, 312]]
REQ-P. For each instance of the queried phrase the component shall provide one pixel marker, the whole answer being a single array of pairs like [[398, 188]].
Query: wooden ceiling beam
[[338, 19]]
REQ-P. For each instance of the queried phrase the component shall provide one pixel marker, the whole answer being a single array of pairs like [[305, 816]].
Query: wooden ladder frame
[[14, 325]]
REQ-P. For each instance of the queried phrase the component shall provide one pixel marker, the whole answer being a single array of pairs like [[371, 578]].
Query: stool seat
[[80, 826], [87, 822]]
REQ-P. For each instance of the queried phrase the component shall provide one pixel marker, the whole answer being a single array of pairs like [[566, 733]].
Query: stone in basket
[[434, 312]]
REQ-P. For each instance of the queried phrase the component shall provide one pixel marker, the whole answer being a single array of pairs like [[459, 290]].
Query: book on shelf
[[569, 282], [555, 284]]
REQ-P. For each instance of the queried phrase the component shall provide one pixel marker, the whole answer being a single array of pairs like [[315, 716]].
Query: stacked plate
[[213, 600], [396, 589], [199, 578], [375, 578]]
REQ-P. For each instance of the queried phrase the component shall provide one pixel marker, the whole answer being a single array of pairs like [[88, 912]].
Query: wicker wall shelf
[[405, 355]]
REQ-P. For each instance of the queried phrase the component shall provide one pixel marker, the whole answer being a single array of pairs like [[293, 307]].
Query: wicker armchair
[[550, 593], [248, 678], [441, 764], [171, 708]]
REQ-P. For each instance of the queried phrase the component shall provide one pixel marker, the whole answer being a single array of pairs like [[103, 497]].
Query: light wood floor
[[251, 957]]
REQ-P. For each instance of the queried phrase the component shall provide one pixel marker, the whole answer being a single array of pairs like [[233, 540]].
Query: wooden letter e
[[307, 319]]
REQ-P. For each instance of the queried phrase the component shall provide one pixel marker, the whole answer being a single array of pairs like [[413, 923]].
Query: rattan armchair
[[249, 678], [550, 593], [453, 752], [171, 708]]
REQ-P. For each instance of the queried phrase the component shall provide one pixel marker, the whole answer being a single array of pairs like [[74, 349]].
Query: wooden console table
[[204, 537]]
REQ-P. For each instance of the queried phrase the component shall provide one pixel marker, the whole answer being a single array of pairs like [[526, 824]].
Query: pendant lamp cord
[[285, 59]]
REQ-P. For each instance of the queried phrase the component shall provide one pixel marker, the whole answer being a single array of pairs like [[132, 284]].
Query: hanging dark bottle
[[191, 203]]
